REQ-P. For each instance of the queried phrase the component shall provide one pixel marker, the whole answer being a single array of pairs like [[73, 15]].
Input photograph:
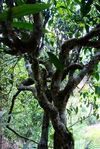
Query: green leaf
[[97, 90], [23, 25], [23, 10], [96, 106], [26, 26], [55, 61], [76, 110], [45, 30], [52, 136], [97, 116], [69, 111], [96, 76]]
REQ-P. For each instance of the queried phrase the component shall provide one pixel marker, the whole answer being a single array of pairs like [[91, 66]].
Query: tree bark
[[57, 141], [65, 142], [44, 135]]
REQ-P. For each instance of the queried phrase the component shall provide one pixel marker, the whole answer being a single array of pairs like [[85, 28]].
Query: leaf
[[26, 26], [97, 116], [69, 111], [97, 90], [23, 10], [96, 76], [96, 87], [52, 136], [55, 61], [96, 106], [23, 25], [76, 110], [45, 30]]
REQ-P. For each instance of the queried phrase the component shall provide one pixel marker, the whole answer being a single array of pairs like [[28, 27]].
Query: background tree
[[54, 59]]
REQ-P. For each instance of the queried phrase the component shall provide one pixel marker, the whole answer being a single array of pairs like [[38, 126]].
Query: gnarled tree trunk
[[66, 141], [43, 144]]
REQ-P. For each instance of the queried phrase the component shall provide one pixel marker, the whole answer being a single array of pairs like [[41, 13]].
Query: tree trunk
[[57, 141], [66, 141], [44, 135], [63, 143]]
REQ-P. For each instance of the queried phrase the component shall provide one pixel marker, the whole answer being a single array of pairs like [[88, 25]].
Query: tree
[[24, 35]]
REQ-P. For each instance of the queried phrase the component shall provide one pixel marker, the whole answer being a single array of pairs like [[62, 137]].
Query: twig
[[89, 115], [12, 105], [21, 135], [91, 87], [84, 84], [80, 121]]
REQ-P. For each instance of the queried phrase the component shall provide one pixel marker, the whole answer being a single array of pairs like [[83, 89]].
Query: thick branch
[[44, 135], [28, 88], [27, 64], [72, 84], [56, 80], [48, 66], [27, 82], [83, 41], [71, 67]]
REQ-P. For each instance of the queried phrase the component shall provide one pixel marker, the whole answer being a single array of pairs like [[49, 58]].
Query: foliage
[[25, 9]]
